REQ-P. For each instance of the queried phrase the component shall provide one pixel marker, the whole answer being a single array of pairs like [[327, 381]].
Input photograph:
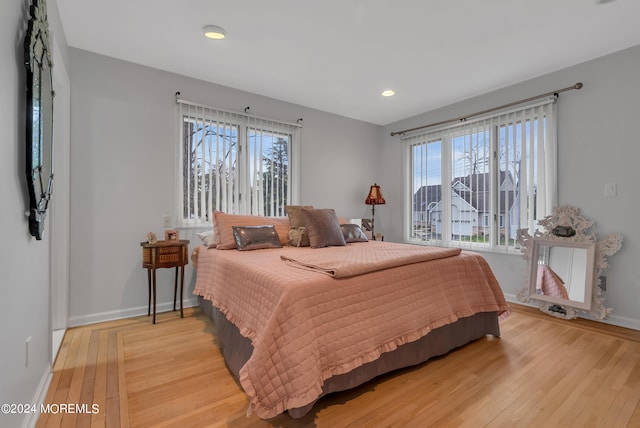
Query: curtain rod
[[245, 115], [555, 93]]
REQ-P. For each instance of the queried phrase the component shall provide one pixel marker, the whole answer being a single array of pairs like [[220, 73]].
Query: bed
[[297, 323]]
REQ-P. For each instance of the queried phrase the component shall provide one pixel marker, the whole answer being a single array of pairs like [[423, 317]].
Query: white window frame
[[244, 198], [542, 170]]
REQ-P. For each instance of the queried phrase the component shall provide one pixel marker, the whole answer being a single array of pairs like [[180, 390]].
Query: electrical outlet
[[603, 283], [167, 221]]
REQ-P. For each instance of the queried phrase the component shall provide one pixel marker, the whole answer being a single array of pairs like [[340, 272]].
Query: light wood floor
[[542, 372]]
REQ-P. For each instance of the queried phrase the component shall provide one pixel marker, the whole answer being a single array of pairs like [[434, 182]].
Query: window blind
[[233, 162], [477, 182]]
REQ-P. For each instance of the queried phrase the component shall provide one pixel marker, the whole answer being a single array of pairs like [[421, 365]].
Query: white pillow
[[208, 239]]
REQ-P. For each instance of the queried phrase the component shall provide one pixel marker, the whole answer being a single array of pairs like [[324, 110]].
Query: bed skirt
[[237, 349]]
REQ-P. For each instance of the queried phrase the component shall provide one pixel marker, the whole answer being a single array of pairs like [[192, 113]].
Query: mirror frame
[[566, 227], [39, 117]]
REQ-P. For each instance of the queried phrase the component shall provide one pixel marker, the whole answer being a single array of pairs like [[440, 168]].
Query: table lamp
[[374, 198]]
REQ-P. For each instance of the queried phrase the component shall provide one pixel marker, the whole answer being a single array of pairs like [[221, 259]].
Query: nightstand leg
[[181, 289], [154, 295], [149, 291], [175, 288]]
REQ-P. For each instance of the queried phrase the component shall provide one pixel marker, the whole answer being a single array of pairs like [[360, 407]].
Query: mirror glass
[[39, 118], [562, 272]]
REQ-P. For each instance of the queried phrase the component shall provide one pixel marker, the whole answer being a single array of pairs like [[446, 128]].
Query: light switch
[[610, 190]]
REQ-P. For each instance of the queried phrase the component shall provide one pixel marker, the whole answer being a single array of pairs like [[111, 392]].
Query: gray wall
[[24, 262], [123, 173], [598, 144]]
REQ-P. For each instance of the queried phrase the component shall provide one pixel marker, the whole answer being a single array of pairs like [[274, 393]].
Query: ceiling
[[339, 55]]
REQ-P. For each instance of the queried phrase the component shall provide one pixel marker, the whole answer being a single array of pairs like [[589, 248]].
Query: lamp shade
[[375, 196]]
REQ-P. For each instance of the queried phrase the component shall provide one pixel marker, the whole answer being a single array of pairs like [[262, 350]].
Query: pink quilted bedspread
[[306, 326]]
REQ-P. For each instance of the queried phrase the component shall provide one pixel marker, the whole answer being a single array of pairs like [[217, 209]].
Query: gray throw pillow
[[353, 233], [323, 227], [256, 237]]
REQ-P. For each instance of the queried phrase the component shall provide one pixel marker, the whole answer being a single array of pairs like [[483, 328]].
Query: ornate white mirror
[[565, 264], [39, 129]]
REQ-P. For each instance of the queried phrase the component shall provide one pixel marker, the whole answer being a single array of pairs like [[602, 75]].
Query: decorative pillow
[[256, 237], [295, 214], [343, 220], [298, 237], [301, 237], [224, 223], [353, 233], [208, 238], [216, 229], [323, 227]]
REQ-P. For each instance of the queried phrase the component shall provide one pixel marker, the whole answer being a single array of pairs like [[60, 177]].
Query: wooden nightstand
[[164, 254]]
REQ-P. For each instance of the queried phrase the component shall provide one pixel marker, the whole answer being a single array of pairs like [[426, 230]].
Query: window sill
[[468, 247]]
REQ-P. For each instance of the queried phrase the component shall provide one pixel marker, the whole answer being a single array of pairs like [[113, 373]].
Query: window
[[475, 184], [233, 163]]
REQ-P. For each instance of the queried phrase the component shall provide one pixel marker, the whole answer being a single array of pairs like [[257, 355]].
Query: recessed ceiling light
[[214, 32], [388, 93]]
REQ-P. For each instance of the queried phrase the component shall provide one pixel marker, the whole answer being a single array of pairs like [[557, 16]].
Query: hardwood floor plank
[[541, 372], [112, 407], [100, 390], [79, 366], [89, 381], [122, 384]]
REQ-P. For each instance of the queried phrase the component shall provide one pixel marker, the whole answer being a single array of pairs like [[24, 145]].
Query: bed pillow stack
[[304, 226]]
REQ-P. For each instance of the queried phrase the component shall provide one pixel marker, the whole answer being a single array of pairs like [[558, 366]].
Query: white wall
[[598, 144], [123, 173], [24, 262]]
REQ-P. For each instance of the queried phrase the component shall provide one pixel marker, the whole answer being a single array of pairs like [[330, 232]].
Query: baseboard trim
[[615, 320], [79, 320], [625, 322], [31, 418]]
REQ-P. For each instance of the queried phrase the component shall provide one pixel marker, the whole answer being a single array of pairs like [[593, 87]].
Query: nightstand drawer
[[169, 255], [164, 254]]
